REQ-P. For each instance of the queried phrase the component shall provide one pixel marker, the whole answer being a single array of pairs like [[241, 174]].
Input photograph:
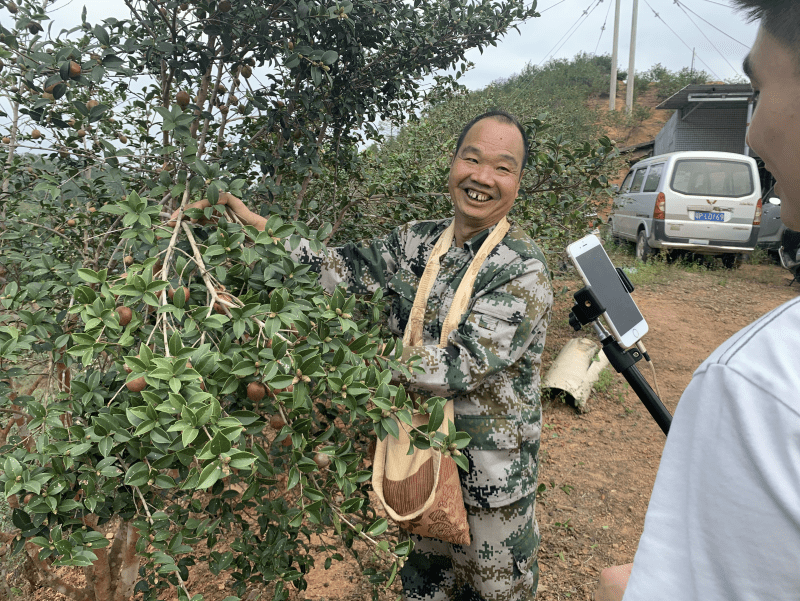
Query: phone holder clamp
[[586, 310]]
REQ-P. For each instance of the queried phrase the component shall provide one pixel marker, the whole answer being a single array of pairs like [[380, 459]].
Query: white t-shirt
[[724, 519]]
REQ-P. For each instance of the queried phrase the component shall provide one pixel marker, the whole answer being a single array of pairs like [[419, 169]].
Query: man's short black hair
[[503, 117], [779, 18]]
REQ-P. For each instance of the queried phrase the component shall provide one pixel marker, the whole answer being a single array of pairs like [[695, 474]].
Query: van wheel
[[643, 249], [730, 260]]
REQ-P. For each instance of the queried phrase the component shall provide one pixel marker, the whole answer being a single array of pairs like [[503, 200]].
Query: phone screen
[[607, 286], [596, 268]]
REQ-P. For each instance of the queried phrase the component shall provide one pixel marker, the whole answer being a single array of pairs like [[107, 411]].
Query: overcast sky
[[563, 30]]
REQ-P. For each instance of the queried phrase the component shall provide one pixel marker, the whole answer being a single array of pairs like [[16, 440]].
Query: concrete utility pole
[[632, 61], [612, 93]]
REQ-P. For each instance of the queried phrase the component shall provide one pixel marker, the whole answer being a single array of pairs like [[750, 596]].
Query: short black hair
[[503, 117], [779, 18]]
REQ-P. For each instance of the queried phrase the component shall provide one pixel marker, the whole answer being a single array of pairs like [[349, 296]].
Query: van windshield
[[704, 177]]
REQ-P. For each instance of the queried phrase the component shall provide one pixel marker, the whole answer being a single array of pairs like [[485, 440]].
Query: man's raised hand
[[234, 204]]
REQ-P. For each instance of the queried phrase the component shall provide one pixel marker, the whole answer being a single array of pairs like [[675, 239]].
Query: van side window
[[705, 177], [626, 184], [653, 178], [638, 178]]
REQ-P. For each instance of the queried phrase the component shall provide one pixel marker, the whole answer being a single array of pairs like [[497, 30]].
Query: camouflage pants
[[499, 565]]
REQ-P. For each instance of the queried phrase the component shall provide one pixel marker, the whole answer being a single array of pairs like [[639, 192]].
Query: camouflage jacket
[[490, 367]]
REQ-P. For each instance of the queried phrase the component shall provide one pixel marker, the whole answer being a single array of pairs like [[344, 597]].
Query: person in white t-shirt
[[724, 518]]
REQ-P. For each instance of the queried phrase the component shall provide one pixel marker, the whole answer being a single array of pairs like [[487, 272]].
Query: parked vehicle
[[697, 201], [771, 232]]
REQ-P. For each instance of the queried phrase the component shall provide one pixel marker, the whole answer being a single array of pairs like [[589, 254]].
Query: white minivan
[[697, 201]]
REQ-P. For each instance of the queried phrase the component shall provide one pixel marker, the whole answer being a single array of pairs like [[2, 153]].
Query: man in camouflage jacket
[[490, 366]]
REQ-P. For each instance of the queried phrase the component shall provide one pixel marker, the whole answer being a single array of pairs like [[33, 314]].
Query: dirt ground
[[598, 467]]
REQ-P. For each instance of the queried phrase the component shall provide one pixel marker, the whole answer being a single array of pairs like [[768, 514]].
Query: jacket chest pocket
[[496, 321]]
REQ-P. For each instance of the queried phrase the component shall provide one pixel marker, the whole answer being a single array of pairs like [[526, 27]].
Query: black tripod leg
[[625, 363], [648, 397]]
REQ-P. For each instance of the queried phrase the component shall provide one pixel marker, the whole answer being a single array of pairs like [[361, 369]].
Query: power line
[[563, 36], [603, 28], [706, 37], [586, 14], [680, 38], [572, 29], [712, 25], [719, 3], [553, 6]]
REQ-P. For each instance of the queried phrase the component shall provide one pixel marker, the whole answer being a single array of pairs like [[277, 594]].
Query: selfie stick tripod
[[586, 310]]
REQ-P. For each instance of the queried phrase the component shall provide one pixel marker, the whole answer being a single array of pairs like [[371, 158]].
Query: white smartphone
[[622, 316]]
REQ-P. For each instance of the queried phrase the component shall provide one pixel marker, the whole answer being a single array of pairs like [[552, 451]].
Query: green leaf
[[137, 475], [294, 478], [378, 527], [210, 474], [436, 418], [330, 57]]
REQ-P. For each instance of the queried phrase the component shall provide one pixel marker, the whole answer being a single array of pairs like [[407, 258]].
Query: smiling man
[[724, 518], [489, 365]]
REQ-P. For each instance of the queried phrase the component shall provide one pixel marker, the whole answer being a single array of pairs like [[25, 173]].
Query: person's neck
[[463, 233]]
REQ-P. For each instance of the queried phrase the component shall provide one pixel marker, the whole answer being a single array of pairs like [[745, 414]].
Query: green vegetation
[[194, 385], [605, 381], [667, 82]]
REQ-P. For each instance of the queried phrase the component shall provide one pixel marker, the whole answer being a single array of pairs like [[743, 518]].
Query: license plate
[[708, 216]]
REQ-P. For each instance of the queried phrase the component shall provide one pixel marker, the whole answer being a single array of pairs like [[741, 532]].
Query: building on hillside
[[707, 117]]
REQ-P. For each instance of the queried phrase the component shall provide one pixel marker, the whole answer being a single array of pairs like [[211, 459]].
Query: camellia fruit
[[219, 307], [71, 222], [128, 260], [182, 98], [74, 69], [137, 385], [36, 134], [91, 104], [322, 460], [256, 391], [276, 422], [125, 315]]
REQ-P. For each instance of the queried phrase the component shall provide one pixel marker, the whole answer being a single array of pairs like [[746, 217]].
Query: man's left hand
[[612, 584]]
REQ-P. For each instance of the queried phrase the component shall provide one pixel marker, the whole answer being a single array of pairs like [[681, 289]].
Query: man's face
[[485, 174], [774, 131]]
